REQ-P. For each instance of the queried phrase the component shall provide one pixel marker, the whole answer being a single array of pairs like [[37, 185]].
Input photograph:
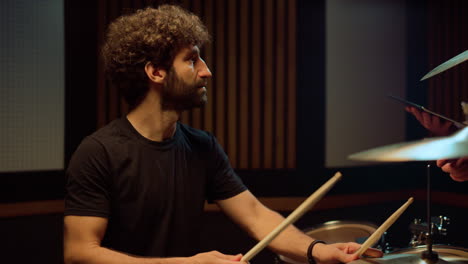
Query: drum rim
[[330, 225]]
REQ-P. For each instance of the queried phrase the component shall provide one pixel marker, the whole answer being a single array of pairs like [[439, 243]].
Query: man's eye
[[194, 59]]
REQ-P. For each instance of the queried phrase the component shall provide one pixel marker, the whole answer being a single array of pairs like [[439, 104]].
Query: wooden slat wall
[[256, 93], [275, 203], [447, 37], [252, 96]]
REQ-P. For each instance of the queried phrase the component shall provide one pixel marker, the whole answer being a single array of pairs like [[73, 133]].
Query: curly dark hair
[[148, 35]]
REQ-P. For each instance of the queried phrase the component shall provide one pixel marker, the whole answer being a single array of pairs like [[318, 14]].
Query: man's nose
[[204, 71]]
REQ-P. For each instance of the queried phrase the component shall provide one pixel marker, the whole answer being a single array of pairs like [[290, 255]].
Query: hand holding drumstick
[[358, 250], [322, 253]]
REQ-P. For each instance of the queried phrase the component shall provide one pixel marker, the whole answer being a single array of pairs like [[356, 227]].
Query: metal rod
[[428, 210], [430, 255]]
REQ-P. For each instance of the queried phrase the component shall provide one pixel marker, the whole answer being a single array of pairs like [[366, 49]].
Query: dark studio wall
[[27, 238]]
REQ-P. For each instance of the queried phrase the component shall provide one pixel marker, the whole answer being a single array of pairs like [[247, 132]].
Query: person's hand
[[457, 168], [434, 124], [215, 257], [340, 252]]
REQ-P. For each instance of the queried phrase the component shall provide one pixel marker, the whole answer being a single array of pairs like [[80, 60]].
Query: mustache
[[202, 83]]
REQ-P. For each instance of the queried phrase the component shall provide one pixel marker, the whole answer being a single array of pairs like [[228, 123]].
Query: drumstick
[[300, 210], [378, 233]]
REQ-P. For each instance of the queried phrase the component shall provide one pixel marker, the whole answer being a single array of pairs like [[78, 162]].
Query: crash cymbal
[[447, 65], [454, 146]]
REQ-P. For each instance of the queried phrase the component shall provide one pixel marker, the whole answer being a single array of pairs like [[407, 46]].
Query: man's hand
[[457, 168], [340, 252], [215, 257], [434, 124]]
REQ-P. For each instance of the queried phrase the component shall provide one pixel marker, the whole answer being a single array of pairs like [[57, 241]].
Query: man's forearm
[[102, 255], [291, 242]]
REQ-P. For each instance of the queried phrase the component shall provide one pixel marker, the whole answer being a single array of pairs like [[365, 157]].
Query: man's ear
[[155, 74]]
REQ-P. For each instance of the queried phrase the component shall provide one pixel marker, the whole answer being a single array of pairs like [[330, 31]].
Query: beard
[[180, 95]]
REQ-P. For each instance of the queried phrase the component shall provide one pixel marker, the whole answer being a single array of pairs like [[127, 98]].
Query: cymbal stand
[[429, 254]]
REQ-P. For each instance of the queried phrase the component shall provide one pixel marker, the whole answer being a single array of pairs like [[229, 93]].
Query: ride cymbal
[[410, 259]]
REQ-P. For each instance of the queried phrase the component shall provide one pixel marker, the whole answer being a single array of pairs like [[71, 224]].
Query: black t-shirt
[[152, 193]]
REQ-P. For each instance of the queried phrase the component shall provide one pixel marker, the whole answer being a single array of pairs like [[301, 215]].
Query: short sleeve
[[88, 181], [224, 183]]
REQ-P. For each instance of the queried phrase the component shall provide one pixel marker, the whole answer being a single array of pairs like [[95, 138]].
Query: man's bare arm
[[82, 245]]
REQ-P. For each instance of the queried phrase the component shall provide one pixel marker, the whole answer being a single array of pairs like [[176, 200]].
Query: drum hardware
[[429, 254], [419, 230], [385, 246]]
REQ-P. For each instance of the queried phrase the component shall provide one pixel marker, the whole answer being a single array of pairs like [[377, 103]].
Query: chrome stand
[[429, 255]]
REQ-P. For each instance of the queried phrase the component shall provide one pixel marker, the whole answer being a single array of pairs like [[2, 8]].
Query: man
[[136, 188], [456, 168]]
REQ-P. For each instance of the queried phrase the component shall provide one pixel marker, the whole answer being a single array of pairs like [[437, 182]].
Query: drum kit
[[421, 246]]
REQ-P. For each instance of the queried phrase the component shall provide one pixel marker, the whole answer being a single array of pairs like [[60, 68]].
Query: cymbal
[[454, 146], [410, 259], [447, 65]]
